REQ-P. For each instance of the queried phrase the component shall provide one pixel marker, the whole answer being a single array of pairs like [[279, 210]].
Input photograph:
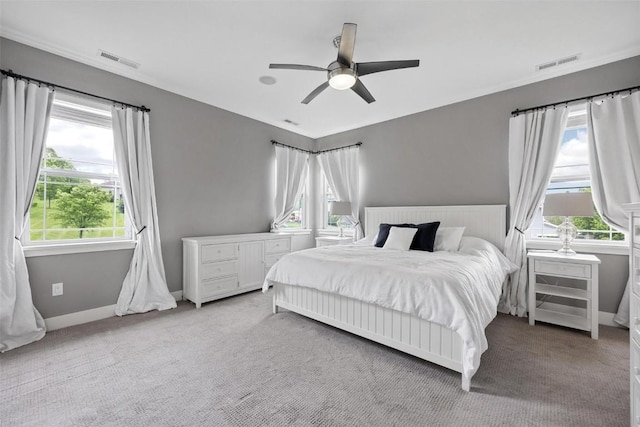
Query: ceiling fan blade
[[296, 67], [361, 90], [364, 68], [315, 92], [347, 44]]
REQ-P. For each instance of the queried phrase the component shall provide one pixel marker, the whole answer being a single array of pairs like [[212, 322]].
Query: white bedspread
[[459, 290]]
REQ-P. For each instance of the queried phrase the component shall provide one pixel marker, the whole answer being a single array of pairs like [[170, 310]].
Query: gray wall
[[457, 154], [213, 168], [213, 172]]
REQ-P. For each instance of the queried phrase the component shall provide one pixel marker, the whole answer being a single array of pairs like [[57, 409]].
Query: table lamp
[[340, 209], [567, 205]]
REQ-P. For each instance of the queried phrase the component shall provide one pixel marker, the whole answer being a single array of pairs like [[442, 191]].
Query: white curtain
[[145, 286], [291, 172], [614, 159], [341, 168], [24, 118], [534, 142]]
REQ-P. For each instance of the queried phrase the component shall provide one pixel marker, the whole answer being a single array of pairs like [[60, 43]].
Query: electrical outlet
[[56, 289]]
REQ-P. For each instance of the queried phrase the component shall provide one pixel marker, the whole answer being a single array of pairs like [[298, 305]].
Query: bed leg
[[275, 306], [466, 383]]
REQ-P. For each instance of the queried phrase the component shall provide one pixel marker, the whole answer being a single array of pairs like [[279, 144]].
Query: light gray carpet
[[233, 363]]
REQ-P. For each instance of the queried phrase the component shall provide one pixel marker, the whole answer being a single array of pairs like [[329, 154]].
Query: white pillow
[[448, 238], [400, 238], [370, 240]]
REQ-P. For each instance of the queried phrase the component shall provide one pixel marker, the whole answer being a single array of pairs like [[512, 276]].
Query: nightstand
[[572, 278], [333, 240]]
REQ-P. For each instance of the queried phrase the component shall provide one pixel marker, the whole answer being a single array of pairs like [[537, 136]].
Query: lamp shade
[[340, 208], [568, 204]]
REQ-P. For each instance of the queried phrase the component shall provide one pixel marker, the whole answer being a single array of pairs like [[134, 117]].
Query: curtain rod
[[584, 98], [292, 147], [10, 73], [357, 144]]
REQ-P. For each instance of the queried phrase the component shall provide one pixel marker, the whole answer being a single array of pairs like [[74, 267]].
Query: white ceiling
[[215, 51]]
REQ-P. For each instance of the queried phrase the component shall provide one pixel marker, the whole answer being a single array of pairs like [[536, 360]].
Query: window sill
[[295, 232], [75, 248], [587, 247]]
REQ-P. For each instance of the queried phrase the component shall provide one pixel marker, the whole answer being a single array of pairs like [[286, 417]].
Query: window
[[330, 221], [78, 195], [571, 174], [298, 218]]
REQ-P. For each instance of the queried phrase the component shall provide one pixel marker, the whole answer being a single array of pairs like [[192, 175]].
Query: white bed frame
[[395, 329]]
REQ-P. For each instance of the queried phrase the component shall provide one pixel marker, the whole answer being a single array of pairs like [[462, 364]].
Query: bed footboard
[[395, 329]]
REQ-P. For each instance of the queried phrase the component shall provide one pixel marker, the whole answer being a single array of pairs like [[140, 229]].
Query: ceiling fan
[[343, 73]]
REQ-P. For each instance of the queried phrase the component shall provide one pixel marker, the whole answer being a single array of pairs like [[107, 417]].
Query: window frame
[[615, 247], [305, 209], [323, 215], [94, 114]]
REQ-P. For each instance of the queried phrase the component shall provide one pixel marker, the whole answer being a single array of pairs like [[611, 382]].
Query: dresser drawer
[[635, 360], [213, 253], [269, 260], [218, 269], [275, 246], [635, 402], [218, 286], [563, 269], [634, 318], [636, 231], [635, 272]]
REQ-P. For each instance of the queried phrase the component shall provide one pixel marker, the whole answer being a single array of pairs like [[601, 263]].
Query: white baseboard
[[86, 316], [605, 318]]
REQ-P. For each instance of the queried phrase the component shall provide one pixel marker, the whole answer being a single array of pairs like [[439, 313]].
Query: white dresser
[[634, 309], [215, 267]]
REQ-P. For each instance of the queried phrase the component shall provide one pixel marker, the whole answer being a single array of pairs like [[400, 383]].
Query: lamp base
[[341, 224], [567, 232], [566, 252]]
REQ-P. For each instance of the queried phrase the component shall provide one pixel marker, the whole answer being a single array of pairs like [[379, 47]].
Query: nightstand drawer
[[218, 269], [213, 253], [563, 269], [275, 246]]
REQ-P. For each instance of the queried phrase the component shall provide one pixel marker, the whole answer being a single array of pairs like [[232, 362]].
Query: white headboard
[[485, 221]]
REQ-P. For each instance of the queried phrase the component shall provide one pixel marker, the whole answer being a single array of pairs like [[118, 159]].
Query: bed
[[455, 343]]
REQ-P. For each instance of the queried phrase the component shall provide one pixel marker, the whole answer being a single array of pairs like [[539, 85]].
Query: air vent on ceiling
[[557, 62], [118, 59], [291, 122]]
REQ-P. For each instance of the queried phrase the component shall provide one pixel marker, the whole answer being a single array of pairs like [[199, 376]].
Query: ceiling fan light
[[342, 78]]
